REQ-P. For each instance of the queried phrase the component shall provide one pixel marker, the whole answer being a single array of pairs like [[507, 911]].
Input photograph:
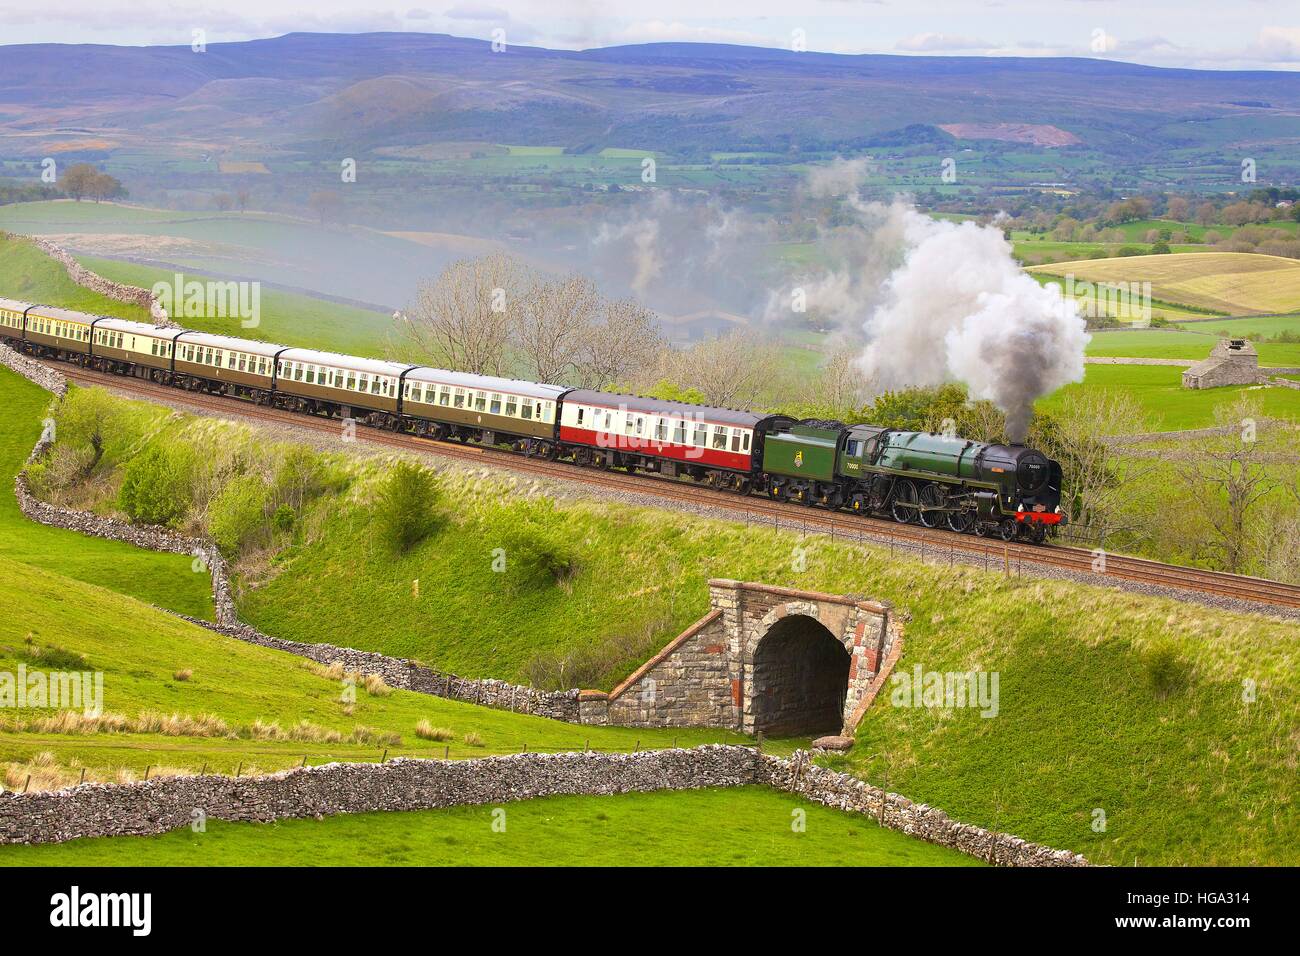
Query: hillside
[[290, 93], [1236, 283], [1109, 699]]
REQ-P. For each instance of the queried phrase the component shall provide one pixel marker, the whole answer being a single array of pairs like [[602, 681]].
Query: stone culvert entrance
[[800, 677], [768, 659]]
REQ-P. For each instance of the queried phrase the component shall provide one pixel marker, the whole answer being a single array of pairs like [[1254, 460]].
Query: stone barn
[[1232, 362]]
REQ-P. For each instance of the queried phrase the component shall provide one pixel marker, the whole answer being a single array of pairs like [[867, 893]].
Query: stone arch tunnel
[[800, 679]]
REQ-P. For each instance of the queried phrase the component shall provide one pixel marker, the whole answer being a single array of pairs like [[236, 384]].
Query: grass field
[[287, 318], [1236, 283], [1089, 714], [1169, 406], [139, 650], [29, 275], [1193, 343], [748, 826]]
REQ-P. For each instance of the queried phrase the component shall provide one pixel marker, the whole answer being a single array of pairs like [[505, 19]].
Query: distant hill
[[312, 94]]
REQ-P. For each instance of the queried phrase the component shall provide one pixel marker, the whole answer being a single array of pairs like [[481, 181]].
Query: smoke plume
[[959, 308]]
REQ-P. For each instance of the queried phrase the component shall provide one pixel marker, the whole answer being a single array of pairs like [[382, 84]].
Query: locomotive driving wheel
[[903, 503], [931, 502], [961, 521], [1008, 529]]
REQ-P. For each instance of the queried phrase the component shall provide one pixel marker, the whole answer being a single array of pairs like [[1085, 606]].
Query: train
[[936, 480]]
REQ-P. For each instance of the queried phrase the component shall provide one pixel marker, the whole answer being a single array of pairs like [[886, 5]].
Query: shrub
[[284, 518], [157, 488], [1165, 670], [473, 740], [56, 658], [406, 508], [238, 514], [538, 551], [183, 675], [426, 731]]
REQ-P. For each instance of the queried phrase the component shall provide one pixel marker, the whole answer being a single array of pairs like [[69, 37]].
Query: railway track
[[912, 538]]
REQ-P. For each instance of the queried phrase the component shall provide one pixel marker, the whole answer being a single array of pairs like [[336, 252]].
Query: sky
[[1206, 34]]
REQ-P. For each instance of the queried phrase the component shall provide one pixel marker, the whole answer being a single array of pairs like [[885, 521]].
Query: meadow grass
[[167, 580], [32, 276], [1167, 406], [734, 826], [139, 649]]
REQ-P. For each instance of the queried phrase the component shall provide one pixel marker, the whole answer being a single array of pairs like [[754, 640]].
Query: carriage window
[[512, 406], [581, 412], [545, 411], [444, 396], [745, 442], [460, 398], [679, 432], [297, 372], [480, 401], [719, 438], [495, 407], [232, 360], [377, 384], [629, 423], [351, 381], [661, 429], [701, 437], [735, 439]]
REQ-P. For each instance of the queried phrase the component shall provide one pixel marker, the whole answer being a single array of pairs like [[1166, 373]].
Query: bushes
[[238, 513], [530, 544], [158, 486], [1165, 670], [406, 508]]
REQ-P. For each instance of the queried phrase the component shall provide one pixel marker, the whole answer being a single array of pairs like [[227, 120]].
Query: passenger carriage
[[225, 365], [333, 384], [719, 446], [484, 408]]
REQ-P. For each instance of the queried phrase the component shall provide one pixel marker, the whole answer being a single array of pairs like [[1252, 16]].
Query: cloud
[[470, 11], [940, 42], [659, 31]]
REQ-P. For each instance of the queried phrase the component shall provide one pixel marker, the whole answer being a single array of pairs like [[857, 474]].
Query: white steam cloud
[[959, 308]]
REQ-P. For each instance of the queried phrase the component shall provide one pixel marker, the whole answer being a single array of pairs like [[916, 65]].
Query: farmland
[[1234, 283]]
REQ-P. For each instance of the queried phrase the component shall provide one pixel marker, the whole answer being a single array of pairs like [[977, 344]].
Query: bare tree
[[626, 347], [732, 371], [1225, 477], [839, 385], [1099, 479], [462, 320], [553, 321]]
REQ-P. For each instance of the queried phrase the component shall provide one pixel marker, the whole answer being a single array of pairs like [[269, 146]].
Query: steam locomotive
[[915, 477]]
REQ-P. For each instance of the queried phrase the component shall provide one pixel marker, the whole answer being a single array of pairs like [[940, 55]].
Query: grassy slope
[[717, 827], [1169, 406], [31, 276], [139, 649], [286, 317]]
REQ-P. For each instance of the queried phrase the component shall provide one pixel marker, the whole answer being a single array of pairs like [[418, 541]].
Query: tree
[[327, 204], [1224, 477], [1207, 214], [242, 199], [224, 202], [1098, 480], [732, 371], [1178, 209], [84, 180], [626, 346], [463, 319], [553, 320]]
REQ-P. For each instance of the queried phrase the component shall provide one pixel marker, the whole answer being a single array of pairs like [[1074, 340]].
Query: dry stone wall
[[800, 776], [107, 287], [169, 803]]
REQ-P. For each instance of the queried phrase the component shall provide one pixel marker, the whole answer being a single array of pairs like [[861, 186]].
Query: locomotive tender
[[933, 480]]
